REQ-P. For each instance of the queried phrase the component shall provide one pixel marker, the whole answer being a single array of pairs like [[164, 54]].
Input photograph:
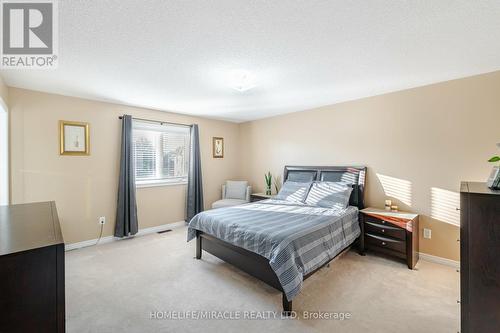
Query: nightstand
[[259, 196], [391, 233]]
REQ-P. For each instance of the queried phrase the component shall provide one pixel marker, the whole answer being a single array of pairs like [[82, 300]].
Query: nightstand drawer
[[375, 220], [259, 196], [385, 230], [386, 242]]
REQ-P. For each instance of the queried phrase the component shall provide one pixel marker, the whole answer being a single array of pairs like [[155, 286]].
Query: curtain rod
[[159, 121]]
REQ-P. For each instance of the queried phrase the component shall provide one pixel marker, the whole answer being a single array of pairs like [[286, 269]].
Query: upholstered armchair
[[234, 193]]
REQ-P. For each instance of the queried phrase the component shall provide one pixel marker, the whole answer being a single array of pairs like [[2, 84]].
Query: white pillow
[[293, 191], [329, 194], [236, 189]]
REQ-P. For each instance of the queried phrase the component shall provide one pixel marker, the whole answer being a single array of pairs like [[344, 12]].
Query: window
[[161, 153]]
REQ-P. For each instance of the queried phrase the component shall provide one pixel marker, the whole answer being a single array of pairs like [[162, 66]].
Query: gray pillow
[[236, 189], [293, 191], [329, 194]]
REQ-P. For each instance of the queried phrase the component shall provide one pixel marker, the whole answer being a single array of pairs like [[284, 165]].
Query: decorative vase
[[268, 190]]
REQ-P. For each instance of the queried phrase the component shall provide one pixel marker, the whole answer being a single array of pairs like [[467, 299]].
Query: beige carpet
[[116, 286]]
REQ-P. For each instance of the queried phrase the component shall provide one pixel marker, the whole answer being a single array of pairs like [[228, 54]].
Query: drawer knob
[[383, 230], [383, 222], [383, 243]]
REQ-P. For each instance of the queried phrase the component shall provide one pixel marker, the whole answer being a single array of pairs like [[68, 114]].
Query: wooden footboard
[[249, 262]]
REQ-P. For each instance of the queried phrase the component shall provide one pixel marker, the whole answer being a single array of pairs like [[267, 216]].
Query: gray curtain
[[126, 210], [195, 187]]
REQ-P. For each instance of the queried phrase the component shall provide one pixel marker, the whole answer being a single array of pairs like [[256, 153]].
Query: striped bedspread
[[295, 238]]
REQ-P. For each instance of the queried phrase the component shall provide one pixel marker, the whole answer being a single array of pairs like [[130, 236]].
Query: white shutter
[[161, 152]]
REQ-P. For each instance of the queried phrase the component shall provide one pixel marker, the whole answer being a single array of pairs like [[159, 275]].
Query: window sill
[[157, 183]]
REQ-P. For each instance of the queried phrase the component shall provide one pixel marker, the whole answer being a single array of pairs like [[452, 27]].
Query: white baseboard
[[439, 260], [108, 239]]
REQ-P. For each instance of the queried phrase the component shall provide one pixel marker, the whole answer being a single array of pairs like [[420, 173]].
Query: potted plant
[[268, 178], [494, 159], [494, 179]]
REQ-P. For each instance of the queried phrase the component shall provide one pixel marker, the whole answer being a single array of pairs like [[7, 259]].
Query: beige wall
[[85, 187], [4, 143], [418, 145], [4, 91]]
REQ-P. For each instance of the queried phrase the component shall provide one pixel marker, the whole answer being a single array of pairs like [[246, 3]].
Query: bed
[[280, 242]]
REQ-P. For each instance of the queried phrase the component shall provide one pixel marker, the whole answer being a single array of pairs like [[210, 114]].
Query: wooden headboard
[[355, 175]]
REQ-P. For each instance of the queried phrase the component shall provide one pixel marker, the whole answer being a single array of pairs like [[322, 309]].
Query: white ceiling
[[176, 55]]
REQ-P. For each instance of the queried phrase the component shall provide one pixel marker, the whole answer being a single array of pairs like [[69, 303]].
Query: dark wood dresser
[[479, 258], [31, 269], [391, 233]]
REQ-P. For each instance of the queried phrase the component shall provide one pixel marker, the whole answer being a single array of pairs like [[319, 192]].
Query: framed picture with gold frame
[[218, 147], [74, 138]]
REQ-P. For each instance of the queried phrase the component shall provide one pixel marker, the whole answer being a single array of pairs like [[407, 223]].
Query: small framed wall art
[[218, 147], [74, 138]]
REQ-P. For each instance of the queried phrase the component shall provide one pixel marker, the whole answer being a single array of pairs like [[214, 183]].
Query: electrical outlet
[[427, 233], [102, 220]]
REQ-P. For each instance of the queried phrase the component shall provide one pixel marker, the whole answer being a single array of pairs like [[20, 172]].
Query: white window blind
[[161, 153]]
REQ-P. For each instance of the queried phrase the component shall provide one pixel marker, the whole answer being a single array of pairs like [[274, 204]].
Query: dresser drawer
[[385, 230], [385, 242]]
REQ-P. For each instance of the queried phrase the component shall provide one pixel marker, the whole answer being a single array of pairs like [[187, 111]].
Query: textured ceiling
[[176, 55]]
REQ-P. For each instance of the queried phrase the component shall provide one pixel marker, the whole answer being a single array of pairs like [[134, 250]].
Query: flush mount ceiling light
[[242, 80]]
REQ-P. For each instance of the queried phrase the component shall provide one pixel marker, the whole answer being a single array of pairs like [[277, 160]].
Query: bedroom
[[407, 90]]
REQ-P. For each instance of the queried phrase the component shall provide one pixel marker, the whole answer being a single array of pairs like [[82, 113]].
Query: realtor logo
[[29, 32]]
